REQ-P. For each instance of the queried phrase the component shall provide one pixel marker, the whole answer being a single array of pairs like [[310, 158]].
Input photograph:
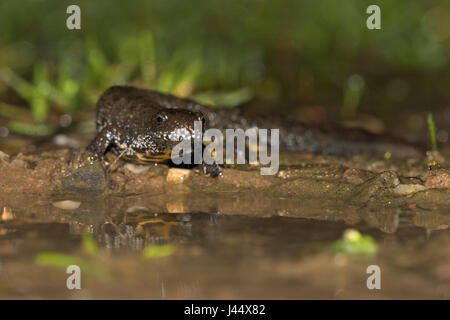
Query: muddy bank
[[308, 186], [241, 235]]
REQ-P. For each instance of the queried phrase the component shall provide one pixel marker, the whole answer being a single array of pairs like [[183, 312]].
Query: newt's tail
[[345, 142]]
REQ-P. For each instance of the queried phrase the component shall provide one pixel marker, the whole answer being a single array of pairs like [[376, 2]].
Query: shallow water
[[215, 255], [236, 238]]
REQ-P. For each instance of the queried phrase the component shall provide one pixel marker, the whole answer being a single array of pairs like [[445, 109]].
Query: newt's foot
[[80, 158], [212, 170]]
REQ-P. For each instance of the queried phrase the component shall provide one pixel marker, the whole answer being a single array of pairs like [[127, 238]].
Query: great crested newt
[[144, 126]]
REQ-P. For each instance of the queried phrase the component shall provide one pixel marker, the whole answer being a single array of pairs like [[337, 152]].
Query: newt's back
[[129, 108]]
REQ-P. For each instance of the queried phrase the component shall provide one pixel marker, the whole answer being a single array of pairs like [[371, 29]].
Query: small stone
[[177, 176], [282, 174], [4, 156], [404, 189], [136, 169], [137, 208], [439, 178], [7, 214], [67, 204]]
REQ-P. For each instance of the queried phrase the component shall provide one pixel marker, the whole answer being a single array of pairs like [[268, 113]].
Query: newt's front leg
[[108, 136]]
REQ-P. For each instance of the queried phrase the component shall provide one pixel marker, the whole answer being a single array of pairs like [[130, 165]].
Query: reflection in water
[[138, 229], [221, 255]]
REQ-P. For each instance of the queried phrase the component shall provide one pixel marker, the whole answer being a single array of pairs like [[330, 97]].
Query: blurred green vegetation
[[158, 251], [220, 52], [354, 243]]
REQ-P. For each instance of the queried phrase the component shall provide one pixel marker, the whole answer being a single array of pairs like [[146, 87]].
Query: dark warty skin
[[145, 125]]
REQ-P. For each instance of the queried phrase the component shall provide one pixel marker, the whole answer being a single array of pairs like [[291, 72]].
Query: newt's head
[[167, 128]]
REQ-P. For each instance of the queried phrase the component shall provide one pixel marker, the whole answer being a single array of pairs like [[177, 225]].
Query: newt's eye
[[160, 118]]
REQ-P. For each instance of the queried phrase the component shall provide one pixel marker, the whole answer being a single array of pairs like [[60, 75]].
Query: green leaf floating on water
[[61, 260], [157, 251], [353, 242]]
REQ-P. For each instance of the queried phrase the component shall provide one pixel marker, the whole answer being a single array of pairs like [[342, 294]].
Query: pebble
[[136, 208], [67, 204], [7, 214], [136, 169], [438, 178], [404, 189], [176, 175], [4, 156]]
